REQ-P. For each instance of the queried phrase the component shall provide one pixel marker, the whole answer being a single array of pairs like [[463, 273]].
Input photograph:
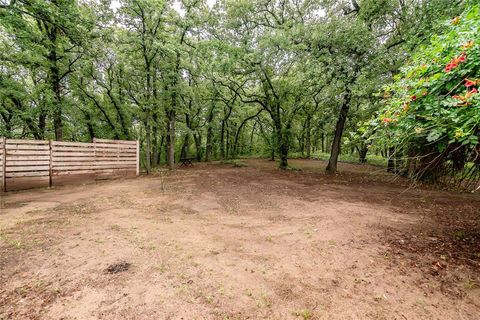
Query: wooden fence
[[30, 163]]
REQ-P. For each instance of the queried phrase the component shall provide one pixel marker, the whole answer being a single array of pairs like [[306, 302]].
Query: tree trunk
[[155, 141], [391, 160], [337, 139], [209, 142], [323, 142], [54, 79], [185, 146], [198, 146], [251, 137], [148, 142], [308, 138], [171, 135], [283, 146], [222, 138], [362, 154]]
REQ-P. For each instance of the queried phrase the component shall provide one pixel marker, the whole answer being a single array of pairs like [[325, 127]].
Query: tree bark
[[148, 142], [337, 139], [391, 160], [54, 75], [308, 138], [171, 140], [198, 146], [362, 154]]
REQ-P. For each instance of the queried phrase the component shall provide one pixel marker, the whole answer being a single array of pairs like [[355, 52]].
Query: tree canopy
[[221, 79]]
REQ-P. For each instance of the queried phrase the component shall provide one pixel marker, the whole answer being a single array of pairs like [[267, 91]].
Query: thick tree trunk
[[337, 139], [42, 123], [54, 78], [283, 150], [185, 146], [57, 113], [283, 146], [362, 154], [91, 133], [198, 146]]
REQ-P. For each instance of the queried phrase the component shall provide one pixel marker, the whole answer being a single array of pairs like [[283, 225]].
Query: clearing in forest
[[224, 242]]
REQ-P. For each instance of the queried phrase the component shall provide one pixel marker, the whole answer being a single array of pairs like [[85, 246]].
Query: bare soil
[[223, 242]]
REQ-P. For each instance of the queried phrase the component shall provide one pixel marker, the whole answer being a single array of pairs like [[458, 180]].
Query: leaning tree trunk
[[337, 139]]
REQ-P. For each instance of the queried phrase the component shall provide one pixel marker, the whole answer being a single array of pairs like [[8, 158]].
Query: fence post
[[138, 158], [4, 165], [50, 164]]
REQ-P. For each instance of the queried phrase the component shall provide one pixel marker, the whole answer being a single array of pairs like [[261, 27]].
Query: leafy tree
[[433, 107]]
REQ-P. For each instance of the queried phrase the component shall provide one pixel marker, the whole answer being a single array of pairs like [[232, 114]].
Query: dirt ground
[[224, 242]]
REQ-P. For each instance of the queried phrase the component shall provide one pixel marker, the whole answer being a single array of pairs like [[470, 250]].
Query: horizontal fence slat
[[26, 158], [74, 172], [28, 152], [116, 141], [27, 168], [72, 144], [26, 147], [93, 167], [27, 174], [116, 153], [20, 141], [115, 146], [73, 154], [78, 159], [76, 149], [60, 164], [28, 162]]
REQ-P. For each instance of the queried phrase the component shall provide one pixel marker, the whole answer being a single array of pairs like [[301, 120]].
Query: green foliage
[[237, 78], [434, 100]]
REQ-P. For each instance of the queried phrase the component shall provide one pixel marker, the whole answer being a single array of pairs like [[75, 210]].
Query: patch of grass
[[304, 314], [293, 168], [470, 284], [349, 158], [264, 301], [115, 227], [235, 163], [209, 299], [16, 244], [161, 269]]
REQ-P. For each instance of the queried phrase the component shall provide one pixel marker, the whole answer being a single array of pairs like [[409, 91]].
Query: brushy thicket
[[432, 113]]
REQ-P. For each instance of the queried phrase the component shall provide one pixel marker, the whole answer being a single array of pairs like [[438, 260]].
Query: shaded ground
[[218, 242]]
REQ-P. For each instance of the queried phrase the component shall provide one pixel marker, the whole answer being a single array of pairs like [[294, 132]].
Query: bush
[[432, 112]]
